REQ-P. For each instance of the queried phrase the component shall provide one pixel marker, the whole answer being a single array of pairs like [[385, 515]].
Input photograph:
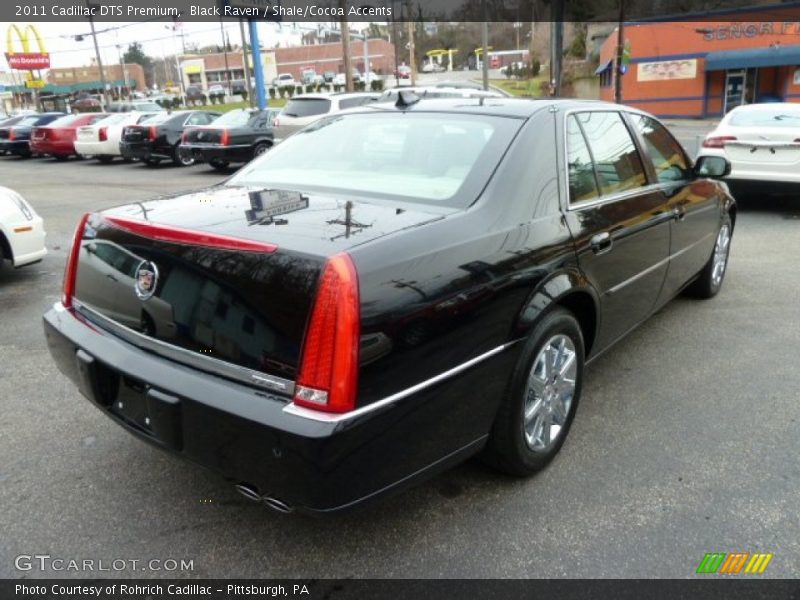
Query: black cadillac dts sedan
[[388, 292]]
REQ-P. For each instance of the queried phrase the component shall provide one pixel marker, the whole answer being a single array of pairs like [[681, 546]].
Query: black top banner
[[387, 10]]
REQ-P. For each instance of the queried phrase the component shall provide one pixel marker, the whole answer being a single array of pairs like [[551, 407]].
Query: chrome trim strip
[[202, 146], [638, 276], [659, 264], [209, 364], [315, 415]]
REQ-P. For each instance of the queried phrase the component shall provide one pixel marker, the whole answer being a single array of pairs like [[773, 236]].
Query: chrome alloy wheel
[[550, 390], [721, 249]]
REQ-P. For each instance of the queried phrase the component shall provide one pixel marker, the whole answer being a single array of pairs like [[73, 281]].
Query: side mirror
[[714, 167]]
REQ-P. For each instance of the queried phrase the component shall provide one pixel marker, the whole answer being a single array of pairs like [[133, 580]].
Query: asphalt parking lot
[[686, 442]]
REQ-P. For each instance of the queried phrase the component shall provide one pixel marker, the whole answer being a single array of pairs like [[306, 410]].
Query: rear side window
[[617, 162], [669, 160], [307, 107], [582, 183]]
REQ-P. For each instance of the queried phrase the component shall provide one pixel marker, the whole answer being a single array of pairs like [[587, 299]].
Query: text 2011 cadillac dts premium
[[388, 292]]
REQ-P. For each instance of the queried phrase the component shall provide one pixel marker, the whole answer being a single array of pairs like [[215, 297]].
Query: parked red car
[[57, 138]]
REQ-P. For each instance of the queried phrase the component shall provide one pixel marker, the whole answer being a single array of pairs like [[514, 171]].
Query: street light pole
[[620, 53]]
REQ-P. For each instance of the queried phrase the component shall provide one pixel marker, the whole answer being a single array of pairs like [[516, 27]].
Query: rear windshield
[[441, 159], [779, 117], [235, 118], [64, 121], [28, 121], [307, 107]]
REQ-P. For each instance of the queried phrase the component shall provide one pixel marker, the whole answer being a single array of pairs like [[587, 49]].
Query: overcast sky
[[155, 37]]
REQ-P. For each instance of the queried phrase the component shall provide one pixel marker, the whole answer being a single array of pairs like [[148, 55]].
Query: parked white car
[[22, 234], [284, 80], [761, 141], [101, 139], [304, 109]]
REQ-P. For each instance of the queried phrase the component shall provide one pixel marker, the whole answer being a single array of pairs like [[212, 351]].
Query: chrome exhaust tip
[[248, 491], [251, 493], [278, 505]]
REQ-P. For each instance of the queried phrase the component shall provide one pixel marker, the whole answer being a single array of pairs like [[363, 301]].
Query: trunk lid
[[135, 133], [239, 313], [87, 134], [204, 135], [763, 145]]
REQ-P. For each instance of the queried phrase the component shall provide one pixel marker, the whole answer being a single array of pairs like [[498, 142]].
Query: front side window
[[669, 160], [617, 162]]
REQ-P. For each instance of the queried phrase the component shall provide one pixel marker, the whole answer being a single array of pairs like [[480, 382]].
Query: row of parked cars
[[153, 135]]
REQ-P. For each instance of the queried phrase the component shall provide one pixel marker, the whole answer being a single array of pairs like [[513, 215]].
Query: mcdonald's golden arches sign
[[24, 59]]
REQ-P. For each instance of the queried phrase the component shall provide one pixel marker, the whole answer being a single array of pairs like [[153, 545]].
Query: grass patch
[[529, 88], [273, 103]]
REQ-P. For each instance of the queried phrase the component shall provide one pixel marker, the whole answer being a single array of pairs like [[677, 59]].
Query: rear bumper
[[247, 436], [209, 152], [55, 148], [142, 151], [16, 146], [97, 148], [27, 244]]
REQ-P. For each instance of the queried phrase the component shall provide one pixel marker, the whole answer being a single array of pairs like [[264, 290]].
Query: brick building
[[88, 77], [207, 69], [705, 65]]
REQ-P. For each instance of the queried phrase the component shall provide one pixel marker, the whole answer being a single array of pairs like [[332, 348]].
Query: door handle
[[601, 242], [679, 213]]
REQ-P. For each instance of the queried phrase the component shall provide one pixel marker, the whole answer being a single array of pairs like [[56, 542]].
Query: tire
[[260, 149], [105, 158], [61, 157], [711, 278], [181, 159], [151, 162], [219, 165], [521, 445]]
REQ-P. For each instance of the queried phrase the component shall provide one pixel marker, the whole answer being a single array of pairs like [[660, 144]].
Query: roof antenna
[[405, 99]]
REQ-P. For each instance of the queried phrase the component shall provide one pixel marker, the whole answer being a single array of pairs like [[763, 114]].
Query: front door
[[692, 203], [618, 221], [734, 89]]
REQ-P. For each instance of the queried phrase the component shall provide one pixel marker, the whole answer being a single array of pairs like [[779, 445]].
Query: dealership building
[[704, 65]]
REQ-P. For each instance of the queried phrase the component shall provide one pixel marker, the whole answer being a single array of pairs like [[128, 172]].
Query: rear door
[[693, 204], [617, 218]]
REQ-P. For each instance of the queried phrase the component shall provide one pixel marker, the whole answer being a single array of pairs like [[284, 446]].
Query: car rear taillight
[[328, 374], [12, 135], [225, 138], [102, 134], [153, 133], [71, 270], [718, 141]]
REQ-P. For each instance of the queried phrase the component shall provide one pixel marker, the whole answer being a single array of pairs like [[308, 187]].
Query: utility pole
[[620, 52], [396, 40], [412, 58], [348, 59], [248, 87], [485, 44], [97, 55], [225, 52]]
